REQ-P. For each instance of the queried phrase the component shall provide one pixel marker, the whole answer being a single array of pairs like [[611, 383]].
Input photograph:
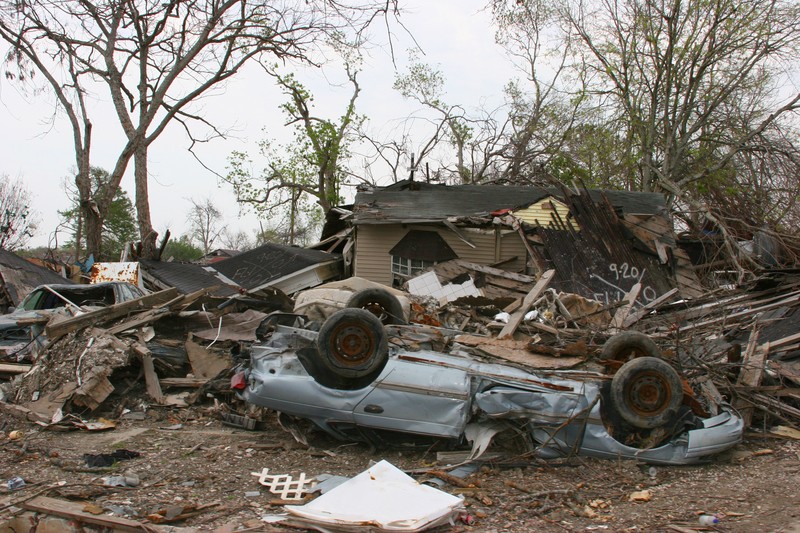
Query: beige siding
[[542, 213], [373, 243]]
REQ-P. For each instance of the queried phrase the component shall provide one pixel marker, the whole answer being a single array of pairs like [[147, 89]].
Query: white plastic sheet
[[383, 498]]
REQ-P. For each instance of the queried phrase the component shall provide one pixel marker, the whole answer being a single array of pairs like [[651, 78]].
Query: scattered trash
[[15, 483], [101, 424], [327, 482], [502, 317], [108, 459], [641, 496], [121, 481], [708, 520], [284, 485]]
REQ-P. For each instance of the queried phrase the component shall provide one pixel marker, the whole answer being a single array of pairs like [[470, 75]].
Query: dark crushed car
[[25, 324], [347, 381]]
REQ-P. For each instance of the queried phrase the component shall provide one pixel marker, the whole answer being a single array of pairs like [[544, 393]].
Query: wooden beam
[[59, 329], [151, 379], [634, 317], [519, 314], [14, 368], [752, 371], [622, 312], [74, 511], [189, 383]]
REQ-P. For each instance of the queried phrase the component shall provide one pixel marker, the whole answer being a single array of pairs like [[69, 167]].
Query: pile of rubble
[[731, 345]]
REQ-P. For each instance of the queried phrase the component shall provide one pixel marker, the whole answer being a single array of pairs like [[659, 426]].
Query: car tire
[[380, 303], [647, 392], [629, 345], [352, 344]]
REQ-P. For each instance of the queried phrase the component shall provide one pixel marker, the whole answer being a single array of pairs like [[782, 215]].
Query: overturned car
[[346, 380]]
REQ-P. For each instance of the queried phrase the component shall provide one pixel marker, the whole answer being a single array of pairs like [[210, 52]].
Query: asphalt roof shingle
[[432, 202], [257, 267]]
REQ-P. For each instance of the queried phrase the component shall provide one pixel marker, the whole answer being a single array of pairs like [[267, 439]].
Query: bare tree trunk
[[146, 232], [89, 211]]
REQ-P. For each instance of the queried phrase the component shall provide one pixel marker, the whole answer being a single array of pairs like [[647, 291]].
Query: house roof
[[258, 267], [20, 276], [424, 202], [186, 277]]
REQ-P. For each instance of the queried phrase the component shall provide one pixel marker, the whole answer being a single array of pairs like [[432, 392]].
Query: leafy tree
[[685, 98], [181, 250], [18, 221], [308, 171], [119, 225], [156, 59], [690, 83]]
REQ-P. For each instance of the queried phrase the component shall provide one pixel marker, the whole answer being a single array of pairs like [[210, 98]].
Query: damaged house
[[600, 243]]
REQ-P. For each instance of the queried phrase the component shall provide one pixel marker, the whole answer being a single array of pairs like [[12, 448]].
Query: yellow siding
[[542, 213], [373, 242]]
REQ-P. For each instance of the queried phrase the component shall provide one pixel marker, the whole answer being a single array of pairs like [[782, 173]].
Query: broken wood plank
[[22, 413], [93, 391], [59, 329], [639, 313], [752, 371], [791, 301], [151, 379], [519, 314], [14, 368], [623, 312], [139, 320], [74, 511], [205, 364], [776, 407], [542, 327], [517, 352], [189, 383]]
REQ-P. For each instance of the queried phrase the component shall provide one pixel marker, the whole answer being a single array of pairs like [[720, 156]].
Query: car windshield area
[[80, 295]]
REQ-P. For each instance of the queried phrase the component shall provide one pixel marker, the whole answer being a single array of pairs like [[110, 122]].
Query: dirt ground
[[187, 456]]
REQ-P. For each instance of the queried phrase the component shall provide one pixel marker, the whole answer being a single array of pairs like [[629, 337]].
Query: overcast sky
[[456, 36]]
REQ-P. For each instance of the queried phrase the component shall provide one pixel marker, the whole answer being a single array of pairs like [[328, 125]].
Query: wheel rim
[[378, 310], [351, 345], [648, 395]]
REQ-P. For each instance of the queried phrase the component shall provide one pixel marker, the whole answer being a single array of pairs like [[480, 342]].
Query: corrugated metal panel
[[541, 213], [102, 272], [373, 243]]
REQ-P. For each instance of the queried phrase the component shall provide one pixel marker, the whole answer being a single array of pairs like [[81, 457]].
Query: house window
[[415, 252], [409, 267]]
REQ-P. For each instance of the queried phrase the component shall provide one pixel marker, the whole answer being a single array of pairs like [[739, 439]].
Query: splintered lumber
[[74, 511], [188, 383], [59, 329], [639, 313], [150, 377], [519, 314], [752, 371], [93, 391], [622, 312], [139, 320], [517, 352]]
